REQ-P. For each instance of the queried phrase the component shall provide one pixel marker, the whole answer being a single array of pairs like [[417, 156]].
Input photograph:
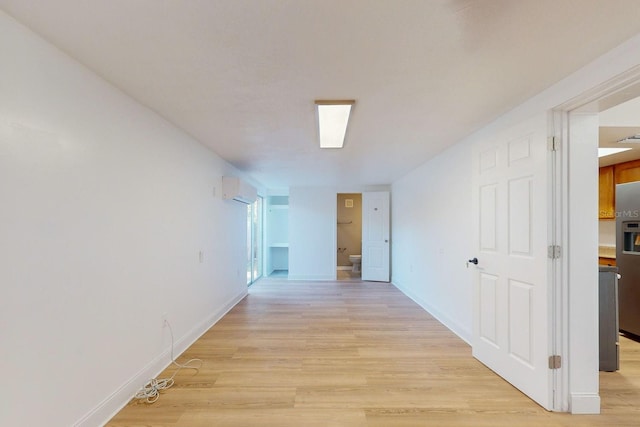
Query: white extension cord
[[151, 390]]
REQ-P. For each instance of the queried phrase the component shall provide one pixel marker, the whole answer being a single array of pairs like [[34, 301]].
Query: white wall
[[105, 208], [433, 238], [313, 228], [607, 232], [312, 235]]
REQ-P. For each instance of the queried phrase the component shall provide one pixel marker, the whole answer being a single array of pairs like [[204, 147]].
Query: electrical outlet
[[164, 319]]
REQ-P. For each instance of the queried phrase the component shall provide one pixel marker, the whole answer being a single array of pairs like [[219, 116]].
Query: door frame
[[558, 185], [576, 384]]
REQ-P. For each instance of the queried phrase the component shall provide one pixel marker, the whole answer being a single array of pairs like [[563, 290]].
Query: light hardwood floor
[[353, 354]]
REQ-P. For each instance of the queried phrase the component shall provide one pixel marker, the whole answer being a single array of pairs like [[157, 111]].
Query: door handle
[[473, 261]]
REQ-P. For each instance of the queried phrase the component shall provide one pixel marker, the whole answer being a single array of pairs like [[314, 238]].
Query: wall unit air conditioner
[[236, 189]]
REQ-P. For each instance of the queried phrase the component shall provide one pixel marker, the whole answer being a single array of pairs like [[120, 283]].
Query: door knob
[[473, 261]]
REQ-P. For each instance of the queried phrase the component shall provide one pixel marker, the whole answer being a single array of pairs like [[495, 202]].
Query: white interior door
[[375, 236], [511, 308]]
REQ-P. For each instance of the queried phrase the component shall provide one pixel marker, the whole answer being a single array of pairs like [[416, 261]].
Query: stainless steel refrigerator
[[628, 255]]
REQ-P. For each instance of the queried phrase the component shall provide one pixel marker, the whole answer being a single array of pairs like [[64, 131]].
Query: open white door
[[511, 308], [375, 236]]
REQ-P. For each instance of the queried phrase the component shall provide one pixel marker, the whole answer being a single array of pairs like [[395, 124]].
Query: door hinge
[[553, 143], [555, 362], [554, 252]]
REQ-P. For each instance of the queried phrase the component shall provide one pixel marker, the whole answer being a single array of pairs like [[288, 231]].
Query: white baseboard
[[344, 267], [109, 407], [585, 403], [439, 316], [312, 278]]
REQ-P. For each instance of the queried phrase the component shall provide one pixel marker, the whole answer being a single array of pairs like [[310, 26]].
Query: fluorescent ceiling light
[[333, 117], [609, 151], [633, 139]]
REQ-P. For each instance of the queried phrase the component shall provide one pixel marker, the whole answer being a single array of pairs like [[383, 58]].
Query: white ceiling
[[616, 123], [241, 76]]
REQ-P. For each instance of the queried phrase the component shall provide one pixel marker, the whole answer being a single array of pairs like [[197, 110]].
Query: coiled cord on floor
[[150, 392]]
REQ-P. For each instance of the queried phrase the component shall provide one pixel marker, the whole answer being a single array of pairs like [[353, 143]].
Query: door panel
[[511, 311], [488, 296], [520, 216], [375, 236], [488, 217], [520, 321]]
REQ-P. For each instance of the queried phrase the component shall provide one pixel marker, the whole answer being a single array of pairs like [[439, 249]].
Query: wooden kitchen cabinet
[[609, 177], [627, 172], [607, 193], [607, 261]]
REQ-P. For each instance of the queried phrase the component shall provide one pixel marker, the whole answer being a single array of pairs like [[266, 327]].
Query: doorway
[[254, 241], [619, 126], [349, 236], [577, 123], [276, 259]]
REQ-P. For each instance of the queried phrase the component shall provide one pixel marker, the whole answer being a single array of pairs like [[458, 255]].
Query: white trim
[[110, 406], [554, 215], [344, 268], [618, 83], [438, 315], [559, 273], [585, 403]]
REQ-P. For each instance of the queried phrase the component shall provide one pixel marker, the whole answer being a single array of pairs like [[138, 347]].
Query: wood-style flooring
[[353, 354]]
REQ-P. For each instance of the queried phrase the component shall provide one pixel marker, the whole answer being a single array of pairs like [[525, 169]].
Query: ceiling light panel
[[602, 152], [333, 118]]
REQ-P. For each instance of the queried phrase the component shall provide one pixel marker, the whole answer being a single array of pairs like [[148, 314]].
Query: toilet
[[356, 260]]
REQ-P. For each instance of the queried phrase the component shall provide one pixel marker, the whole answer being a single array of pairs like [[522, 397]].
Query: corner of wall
[[119, 398]]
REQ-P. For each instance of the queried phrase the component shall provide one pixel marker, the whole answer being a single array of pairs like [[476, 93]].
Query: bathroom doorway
[[349, 236]]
